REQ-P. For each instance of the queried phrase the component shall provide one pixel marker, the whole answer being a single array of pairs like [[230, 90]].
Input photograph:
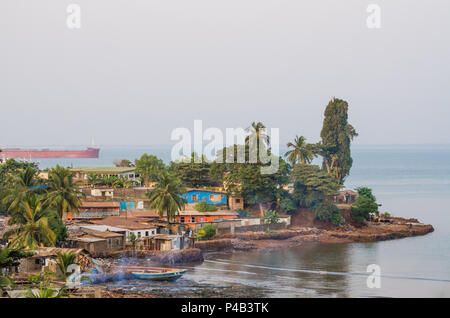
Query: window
[[139, 234], [193, 219], [238, 200], [201, 219], [146, 233], [182, 219]]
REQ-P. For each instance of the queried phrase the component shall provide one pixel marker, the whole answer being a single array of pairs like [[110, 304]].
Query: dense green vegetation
[[326, 211], [193, 174], [36, 206], [109, 181], [210, 232], [205, 207], [364, 205], [336, 135], [313, 186], [150, 168]]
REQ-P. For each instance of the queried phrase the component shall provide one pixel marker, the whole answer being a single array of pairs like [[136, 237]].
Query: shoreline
[[297, 236]]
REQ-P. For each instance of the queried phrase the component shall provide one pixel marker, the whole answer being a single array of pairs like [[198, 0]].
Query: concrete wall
[[261, 227], [244, 225]]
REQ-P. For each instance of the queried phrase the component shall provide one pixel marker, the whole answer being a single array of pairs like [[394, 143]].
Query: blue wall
[[202, 195], [127, 205]]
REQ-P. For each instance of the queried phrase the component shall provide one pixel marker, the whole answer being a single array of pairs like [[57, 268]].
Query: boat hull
[[171, 275], [31, 153]]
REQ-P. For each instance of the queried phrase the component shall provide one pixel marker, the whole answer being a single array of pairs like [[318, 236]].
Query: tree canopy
[[337, 135], [195, 173], [150, 168]]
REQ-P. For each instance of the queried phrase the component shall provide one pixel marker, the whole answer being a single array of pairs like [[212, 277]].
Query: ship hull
[[28, 153]]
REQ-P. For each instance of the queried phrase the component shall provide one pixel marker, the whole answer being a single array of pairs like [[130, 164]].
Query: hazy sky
[[136, 70]]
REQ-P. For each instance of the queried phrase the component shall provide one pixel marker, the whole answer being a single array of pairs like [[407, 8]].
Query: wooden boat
[[158, 273]]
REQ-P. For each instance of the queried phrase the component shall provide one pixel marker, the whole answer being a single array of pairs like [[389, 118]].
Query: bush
[[328, 212], [363, 206], [200, 234], [366, 192], [271, 217], [205, 207], [288, 205], [210, 231], [242, 213]]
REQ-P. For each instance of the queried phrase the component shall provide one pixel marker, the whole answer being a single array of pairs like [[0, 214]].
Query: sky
[[137, 69]]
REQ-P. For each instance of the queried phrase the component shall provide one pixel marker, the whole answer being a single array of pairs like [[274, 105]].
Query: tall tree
[[62, 192], [150, 168], [166, 196], [301, 151], [337, 135], [257, 133], [32, 230], [313, 185]]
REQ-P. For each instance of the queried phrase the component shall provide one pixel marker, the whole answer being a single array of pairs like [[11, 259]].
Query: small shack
[[167, 242], [45, 259], [346, 197], [98, 243]]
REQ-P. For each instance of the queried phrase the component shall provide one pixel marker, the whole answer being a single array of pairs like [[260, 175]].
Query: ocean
[[408, 180]]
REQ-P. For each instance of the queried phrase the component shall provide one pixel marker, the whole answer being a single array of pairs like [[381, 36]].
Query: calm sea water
[[410, 181]]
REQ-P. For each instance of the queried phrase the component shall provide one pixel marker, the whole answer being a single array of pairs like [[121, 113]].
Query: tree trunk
[[261, 210]]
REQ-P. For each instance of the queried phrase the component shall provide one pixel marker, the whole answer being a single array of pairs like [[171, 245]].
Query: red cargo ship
[[47, 153]]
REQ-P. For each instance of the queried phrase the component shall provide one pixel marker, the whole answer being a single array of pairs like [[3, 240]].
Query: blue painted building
[[211, 197], [127, 205]]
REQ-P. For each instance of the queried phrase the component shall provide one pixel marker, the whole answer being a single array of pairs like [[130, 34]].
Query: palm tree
[[302, 152], [257, 133], [166, 196], [24, 183], [33, 230], [62, 192], [64, 260], [94, 179]]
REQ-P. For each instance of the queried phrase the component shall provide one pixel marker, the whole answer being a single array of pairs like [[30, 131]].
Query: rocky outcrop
[[383, 232]]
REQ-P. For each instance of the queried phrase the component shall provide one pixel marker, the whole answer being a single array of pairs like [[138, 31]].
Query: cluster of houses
[[114, 219]]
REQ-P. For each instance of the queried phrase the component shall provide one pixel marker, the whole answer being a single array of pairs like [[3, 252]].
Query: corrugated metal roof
[[53, 251], [104, 170], [216, 213]]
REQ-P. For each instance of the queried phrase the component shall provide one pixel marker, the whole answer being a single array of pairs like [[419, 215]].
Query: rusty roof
[[141, 214], [349, 192], [53, 251], [216, 213], [100, 233], [129, 223]]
